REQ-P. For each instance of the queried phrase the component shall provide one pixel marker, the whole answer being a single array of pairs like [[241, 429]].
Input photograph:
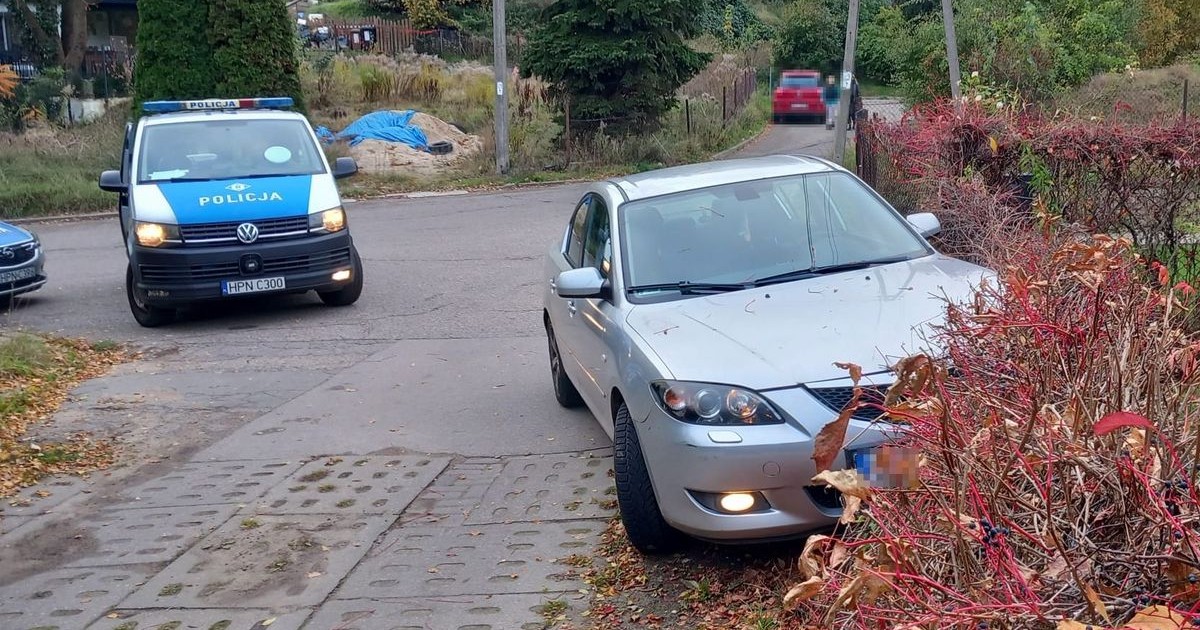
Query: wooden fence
[[375, 34]]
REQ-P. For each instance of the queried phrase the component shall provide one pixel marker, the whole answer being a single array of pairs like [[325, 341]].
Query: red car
[[798, 96]]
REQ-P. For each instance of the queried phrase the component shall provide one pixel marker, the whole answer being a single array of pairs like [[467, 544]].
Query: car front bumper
[[687, 461], [23, 277], [181, 275]]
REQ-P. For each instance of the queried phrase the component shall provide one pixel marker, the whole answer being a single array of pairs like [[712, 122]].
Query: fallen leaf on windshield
[[833, 435], [854, 369]]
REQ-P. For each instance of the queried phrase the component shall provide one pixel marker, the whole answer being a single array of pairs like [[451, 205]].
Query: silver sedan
[[698, 312]]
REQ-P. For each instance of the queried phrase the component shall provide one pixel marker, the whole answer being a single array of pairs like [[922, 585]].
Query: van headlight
[[704, 403], [156, 234], [330, 221]]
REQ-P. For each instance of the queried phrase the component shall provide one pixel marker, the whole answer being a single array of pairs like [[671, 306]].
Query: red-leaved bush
[[1058, 468]]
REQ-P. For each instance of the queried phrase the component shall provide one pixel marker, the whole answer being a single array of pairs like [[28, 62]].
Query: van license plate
[[17, 275], [257, 285]]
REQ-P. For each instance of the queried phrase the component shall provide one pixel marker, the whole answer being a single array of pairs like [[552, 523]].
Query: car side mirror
[[585, 282], [110, 181], [927, 223], [344, 167]]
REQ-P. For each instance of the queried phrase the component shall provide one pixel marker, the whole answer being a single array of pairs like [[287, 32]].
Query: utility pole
[[843, 115], [952, 53], [500, 46]]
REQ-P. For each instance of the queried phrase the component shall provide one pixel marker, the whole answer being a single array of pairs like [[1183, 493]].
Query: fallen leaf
[[832, 437], [848, 482], [804, 591], [995, 146], [838, 556], [809, 564], [850, 510], [267, 622], [1120, 420], [855, 370], [1095, 602], [314, 574], [1157, 618], [1071, 624]]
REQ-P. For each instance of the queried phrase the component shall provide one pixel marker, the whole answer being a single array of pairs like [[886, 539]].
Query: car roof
[[694, 176], [236, 114], [796, 73]]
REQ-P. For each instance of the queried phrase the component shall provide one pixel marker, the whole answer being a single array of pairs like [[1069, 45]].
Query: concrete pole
[[952, 52], [500, 46], [843, 114]]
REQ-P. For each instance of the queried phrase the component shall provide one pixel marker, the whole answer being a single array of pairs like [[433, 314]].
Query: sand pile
[[377, 156]]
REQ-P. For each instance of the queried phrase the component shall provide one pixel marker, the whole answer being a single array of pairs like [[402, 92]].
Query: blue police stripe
[[11, 234], [251, 199]]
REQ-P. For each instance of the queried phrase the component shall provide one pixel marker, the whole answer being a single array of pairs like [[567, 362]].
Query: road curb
[[61, 218], [743, 144]]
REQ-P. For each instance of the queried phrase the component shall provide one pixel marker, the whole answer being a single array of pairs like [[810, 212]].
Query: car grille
[[18, 254], [219, 233], [836, 398], [219, 271]]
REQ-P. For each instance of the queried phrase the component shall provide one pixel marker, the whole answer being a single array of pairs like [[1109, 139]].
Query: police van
[[225, 198]]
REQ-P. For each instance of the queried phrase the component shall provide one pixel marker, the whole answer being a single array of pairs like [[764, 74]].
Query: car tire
[[350, 293], [647, 530], [564, 390], [146, 315], [777, 119], [5, 302]]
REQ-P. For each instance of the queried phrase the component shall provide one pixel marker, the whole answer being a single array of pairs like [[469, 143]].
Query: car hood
[[11, 234], [790, 334]]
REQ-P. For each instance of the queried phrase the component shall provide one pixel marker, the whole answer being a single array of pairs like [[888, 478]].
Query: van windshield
[[223, 149]]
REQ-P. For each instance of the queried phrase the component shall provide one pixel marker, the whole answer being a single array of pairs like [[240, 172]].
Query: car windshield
[[748, 233], [219, 149], [798, 81]]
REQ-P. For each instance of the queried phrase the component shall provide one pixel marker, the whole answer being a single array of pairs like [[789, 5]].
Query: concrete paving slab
[[275, 562], [67, 599], [148, 535], [352, 485], [478, 397], [476, 612], [454, 494], [43, 498], [210, 483], [223, 619], [488, 559], [567, 486]]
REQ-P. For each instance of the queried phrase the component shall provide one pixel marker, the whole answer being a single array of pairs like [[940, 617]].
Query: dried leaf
[[865, 588], [850, 510], [805, 591], [1071, 624], [838, 556], [1094, 601], [1157, 618], [855, 370], [995, 146], [832, 437], [811, 564], [1120, 420], [848, 482]]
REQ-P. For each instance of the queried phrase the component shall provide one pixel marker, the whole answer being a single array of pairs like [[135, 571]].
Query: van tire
[[146, 315], [348, 294], [644, 524]]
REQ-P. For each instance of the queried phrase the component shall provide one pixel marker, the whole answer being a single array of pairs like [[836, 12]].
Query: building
[[112, 24]]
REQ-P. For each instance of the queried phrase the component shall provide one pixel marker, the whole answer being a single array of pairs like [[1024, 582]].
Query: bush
[[174, 53], [809, 38], [254, 49]]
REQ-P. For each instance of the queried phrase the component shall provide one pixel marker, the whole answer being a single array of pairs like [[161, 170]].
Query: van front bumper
[[182, 275]]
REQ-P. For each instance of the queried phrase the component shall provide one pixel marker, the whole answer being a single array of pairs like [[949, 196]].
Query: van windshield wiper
[[801, 274], [686, 287]]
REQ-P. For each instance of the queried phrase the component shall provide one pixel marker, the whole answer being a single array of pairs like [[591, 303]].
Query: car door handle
[[571, 308], [553, 285]]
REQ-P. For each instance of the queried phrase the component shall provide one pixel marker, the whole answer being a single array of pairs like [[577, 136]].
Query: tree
[[619, 60], [810, 37], [42, 21], [878, 56], [253, 49], [175, 58]]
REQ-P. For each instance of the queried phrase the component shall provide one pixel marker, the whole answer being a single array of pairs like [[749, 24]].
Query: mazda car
[[699, 312], [21, 263]]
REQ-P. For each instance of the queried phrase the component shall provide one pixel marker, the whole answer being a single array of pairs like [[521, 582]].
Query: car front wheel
[[145, 314], [643, 520], [564, 390], [350, 293]]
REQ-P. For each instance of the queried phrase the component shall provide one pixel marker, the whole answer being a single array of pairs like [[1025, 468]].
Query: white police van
[[223, 198]]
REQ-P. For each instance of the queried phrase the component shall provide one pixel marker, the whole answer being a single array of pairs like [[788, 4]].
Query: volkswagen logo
[[247, 233], [238, 187], [7, 253]]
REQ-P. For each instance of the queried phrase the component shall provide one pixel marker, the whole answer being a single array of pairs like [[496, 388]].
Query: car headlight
[[156, 234], [332, 220], [704, 403]]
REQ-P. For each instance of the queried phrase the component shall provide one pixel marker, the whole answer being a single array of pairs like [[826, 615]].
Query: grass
[[36, 373], [879, 90], [345, 9], [54, 171]]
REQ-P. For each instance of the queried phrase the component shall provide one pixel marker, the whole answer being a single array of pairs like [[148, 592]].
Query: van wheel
[[644, 524], [564, 390], [348, 294], [145, 314]]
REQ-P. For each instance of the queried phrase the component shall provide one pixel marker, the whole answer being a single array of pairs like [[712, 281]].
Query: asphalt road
[[441, 363]]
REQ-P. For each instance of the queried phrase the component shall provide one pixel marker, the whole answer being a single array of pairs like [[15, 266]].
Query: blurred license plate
[[17, 275], [886, 466], [257, 285], [799, 105]]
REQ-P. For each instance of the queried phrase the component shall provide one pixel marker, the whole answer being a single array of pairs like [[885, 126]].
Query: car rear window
[[798, 81]]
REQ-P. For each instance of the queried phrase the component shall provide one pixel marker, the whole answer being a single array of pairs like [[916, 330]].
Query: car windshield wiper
[[690, 288], [801, 274]]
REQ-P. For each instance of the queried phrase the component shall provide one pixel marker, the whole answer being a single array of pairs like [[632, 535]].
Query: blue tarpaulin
[[386, 125]]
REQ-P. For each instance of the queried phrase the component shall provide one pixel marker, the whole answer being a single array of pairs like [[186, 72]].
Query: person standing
[[831, 95]]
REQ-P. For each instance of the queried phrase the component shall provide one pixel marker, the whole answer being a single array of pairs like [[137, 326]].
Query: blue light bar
[[217, 104]]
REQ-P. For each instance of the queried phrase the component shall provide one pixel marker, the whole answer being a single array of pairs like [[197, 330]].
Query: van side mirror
[[110, 181], [344, 167]]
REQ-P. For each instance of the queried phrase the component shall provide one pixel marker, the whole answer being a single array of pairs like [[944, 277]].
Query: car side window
[[597, 251], [127, 152], [574, 251]]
